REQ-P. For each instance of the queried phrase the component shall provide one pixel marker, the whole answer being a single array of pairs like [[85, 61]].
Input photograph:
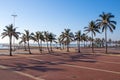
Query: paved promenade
[[63, 66]]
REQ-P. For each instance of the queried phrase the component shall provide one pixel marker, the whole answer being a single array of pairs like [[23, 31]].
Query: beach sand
[[17, 52]]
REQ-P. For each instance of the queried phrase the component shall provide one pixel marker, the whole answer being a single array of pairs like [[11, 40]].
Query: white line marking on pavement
[[21, 73], [3, 67], [95, 69], [28, 75]]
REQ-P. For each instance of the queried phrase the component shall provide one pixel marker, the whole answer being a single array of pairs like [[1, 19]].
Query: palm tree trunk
[[78, 42], [25, 46], [102, 44], [39, 46], [48, 48], [10, 45], [51, 46], [60, 46], [92, 44], [29, 48], [67, 47], [106, 40], [63, 46], [84, 44]]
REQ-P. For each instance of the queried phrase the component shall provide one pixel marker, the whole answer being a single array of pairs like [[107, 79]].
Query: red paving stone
[[59, 70], [9, 75]]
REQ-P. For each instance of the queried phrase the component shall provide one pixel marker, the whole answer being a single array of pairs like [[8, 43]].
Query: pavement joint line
[[36, 59], [21, 73], [83, 67]]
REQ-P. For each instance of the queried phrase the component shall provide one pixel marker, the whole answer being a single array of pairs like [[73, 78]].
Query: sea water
[[4, 46]]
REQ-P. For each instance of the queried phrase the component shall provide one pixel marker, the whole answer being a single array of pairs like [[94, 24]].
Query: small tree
[[93, 29], [106, 23], [23, 40], [36, 37], [28, 37], [67, 37], [10, 31], [51, 39], [78, 39], [46, 37]]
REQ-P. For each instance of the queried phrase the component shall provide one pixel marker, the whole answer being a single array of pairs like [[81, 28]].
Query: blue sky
[[56, 15]]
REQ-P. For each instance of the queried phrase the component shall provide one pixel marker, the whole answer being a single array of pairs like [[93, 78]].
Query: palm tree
[[36, 37], [46, 37], [28, 37], [106, 23], [67, 37], [110, 42], [84, 38], [98, 42], [10, 31], [51, 39], [90, 40], [41, 39], [23, 40], [103, 42], [93, 29], [78, 38], [60, 41]]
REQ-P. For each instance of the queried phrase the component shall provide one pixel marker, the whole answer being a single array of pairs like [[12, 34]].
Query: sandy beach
[[21, 52]]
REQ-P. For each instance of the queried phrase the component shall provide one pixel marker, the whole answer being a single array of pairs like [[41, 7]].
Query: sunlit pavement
[[60, 67]]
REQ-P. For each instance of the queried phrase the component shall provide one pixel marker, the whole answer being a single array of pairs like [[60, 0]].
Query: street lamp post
[[14, 16]]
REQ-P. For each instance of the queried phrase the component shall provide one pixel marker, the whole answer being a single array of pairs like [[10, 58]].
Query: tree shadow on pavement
[[24, 67]]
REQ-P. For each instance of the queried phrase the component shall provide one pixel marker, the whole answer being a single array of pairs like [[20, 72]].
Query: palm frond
[[114, 22], [111, 30]]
